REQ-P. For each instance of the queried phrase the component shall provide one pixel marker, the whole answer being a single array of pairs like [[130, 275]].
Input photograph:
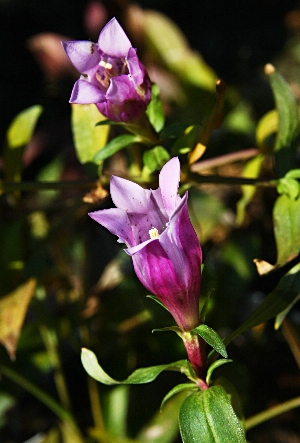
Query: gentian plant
[[154, 186]]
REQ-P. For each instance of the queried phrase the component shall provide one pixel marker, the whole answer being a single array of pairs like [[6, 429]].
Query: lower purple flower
[[166, 254]]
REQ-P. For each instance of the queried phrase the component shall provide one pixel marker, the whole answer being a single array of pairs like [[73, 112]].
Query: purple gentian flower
[[112, 76], [165, 250]]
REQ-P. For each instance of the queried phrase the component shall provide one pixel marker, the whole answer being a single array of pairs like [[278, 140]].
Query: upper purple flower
[[113, 77], [165, 250]]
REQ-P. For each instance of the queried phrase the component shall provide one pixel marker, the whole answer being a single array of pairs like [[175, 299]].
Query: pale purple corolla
[[112, 76], [155, 226]]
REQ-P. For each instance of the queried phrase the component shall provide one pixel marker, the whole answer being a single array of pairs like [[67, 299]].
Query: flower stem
[[195, 348], [50, 340], [263, 416]]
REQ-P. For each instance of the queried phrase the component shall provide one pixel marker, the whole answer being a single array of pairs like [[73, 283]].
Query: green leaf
[[115, 145], [214, 366], [266, 127], [250, 170], [19, 135], [166, 40], [20, 131], [155, 158], [286, 216], [187, 141], [289, 186], [288, 126], [208, 417], [139, 376], [155, 110], [212, 338], [176, 389], [89, 137], [276, 302], [280, 317]]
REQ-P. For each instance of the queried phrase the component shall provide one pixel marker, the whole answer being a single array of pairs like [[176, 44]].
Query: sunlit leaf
[[155, 158], [288, 125], [266, 127], [250, 170], [286, 216], [208, 417], [13, 308], [20, 131], [212, 338], [19, 135], [139, 376], [89, 136], [155, 110], [170, 45]]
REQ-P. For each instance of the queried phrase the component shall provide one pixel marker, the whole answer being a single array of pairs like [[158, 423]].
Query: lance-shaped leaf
[[13, 308], [115, 145], [212, 338], [19, 134], [288, 126], [89, 136], [139, 376], [286, 215], [208, 417], [276, 302]]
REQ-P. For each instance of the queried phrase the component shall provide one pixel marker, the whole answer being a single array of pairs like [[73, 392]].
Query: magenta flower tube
[[112, 76]]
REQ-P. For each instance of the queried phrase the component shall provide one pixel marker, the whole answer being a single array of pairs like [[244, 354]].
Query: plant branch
[[263, 416]]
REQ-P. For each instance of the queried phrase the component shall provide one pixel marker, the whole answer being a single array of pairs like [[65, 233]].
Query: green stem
[[50, 340], [25, 186], [263, 416], [55, 407]]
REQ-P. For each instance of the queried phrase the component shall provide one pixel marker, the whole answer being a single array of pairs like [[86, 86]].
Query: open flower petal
[[85, 93], [113, 40], [84, 55], [168, 183], [116, 221]]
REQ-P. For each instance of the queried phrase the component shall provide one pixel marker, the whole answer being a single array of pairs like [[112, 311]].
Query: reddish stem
[[195, 348]]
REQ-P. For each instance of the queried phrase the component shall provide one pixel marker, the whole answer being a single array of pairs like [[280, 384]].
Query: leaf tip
[[269, 69]]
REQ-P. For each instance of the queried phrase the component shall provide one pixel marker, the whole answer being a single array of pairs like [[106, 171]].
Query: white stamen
[[105, 64], [153, 232]]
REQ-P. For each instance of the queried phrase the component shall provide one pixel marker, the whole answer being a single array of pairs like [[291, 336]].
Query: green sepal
[[155, 109], [107, 121], [207, 416], [157, 301], [179, 388], [169, 328], [154, 159], [115, 145], [214, 366], [139, 376], [212, 338]]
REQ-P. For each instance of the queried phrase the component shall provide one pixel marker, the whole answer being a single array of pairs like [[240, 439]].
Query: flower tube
[[166, 254]]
